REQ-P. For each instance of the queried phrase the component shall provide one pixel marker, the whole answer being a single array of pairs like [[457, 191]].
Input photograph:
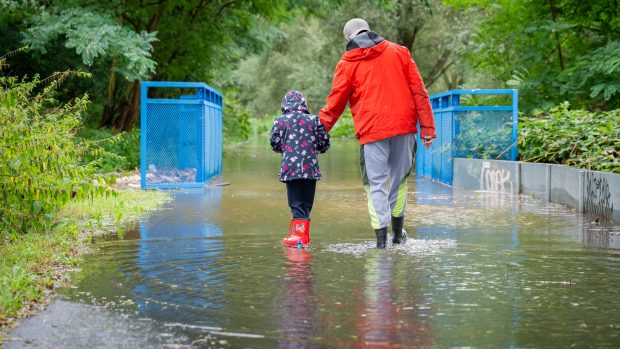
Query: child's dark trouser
[[301, 197]]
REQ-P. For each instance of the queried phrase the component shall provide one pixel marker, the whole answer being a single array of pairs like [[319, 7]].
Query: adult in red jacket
[[387, 97]]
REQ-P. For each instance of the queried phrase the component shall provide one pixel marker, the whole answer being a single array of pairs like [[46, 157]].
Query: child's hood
[[294, 101]]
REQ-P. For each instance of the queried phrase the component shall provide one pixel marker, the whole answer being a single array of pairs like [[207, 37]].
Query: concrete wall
[[566, 186], [601, 194], [496, 175], [588, 191], [537, 180]]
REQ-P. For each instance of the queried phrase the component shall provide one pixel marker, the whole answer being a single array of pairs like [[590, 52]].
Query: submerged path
[[482, 270]]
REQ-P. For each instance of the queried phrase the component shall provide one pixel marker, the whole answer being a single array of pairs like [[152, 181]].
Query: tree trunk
[[441, 65], [120, 111], [452, 80], [554, 17], [129, 108], [134, 105], [107, 118], [406, 33]]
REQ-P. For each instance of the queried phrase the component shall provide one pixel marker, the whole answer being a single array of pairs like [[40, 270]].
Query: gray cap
[[354, 27]]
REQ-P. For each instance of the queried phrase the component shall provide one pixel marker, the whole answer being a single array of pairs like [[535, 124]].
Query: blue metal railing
[[478, 131], [180, 139]]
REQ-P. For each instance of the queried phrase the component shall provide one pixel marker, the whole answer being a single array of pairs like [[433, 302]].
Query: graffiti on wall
[[601, 235], [597, 196], [495, 179]]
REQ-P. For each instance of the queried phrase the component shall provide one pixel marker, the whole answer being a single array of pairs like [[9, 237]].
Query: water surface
[[480, 270]]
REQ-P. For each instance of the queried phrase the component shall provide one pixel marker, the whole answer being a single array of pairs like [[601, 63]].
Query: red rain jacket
[[385, 92]]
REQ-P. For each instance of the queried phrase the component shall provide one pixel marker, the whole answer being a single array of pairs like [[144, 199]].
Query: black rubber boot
[[381, 237], [400, 236]]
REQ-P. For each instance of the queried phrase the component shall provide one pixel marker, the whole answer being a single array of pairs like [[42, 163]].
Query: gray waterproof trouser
[[385, 166]]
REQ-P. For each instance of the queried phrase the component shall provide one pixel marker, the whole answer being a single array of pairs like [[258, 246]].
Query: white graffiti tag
[[495, 179]]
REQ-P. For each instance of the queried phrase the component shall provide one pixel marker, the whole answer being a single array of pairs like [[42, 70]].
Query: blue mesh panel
[[436, 148], [428, 163], [181, 139], [481, 132], [445, 153], [423, 160], [174, 137], [419, 158], [213, 144], [483, 135]]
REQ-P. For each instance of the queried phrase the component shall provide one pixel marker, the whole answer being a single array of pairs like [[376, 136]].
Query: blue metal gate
[[180, 138], [472, 131]]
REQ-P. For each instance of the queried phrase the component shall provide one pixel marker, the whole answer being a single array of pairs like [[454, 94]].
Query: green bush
[[572, 137], [483, 135], [42, 164], [236, 121], [123, 149], [262, 126], [344, 126]]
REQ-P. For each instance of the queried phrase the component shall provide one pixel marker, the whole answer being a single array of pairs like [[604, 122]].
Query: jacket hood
[[294, 101], [359, 54], [366, 45]]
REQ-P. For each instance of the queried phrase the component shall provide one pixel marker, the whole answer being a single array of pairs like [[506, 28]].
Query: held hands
[[427, 142]]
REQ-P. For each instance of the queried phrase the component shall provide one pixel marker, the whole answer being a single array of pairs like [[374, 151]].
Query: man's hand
[[427, 142]]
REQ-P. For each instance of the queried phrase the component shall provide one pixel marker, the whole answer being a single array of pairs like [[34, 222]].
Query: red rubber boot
[[299, 230]]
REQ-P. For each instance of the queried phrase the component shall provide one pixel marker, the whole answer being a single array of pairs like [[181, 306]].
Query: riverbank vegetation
[[551, 51], [53, 199], [34, 264], [579, 138], [70, 74]]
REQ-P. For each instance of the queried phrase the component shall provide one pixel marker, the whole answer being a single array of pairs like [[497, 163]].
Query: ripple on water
[[414, 247]]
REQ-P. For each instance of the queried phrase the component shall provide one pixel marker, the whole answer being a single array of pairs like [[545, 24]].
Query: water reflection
[[432, 193], [600, 233], [298, 322], [386, 318], [178, 258], [482, 270]]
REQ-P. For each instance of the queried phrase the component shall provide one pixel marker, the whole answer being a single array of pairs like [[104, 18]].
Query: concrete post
[[580, 199], [517, 189], [548, 183]]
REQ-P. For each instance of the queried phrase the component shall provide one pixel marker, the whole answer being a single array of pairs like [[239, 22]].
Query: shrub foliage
[[42, 163], [572, 137], [122, 149]]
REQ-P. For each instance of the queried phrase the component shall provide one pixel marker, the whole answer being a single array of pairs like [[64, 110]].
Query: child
[[298, 135]]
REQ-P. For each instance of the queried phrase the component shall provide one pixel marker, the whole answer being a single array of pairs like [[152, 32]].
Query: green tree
[[305, 55], [115, 40], [552, 50]]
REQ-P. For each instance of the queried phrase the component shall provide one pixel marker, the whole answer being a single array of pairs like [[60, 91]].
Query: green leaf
[[95, 37], [37, 207]]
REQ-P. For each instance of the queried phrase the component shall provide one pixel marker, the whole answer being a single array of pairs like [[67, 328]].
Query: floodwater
[[481, 270]]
